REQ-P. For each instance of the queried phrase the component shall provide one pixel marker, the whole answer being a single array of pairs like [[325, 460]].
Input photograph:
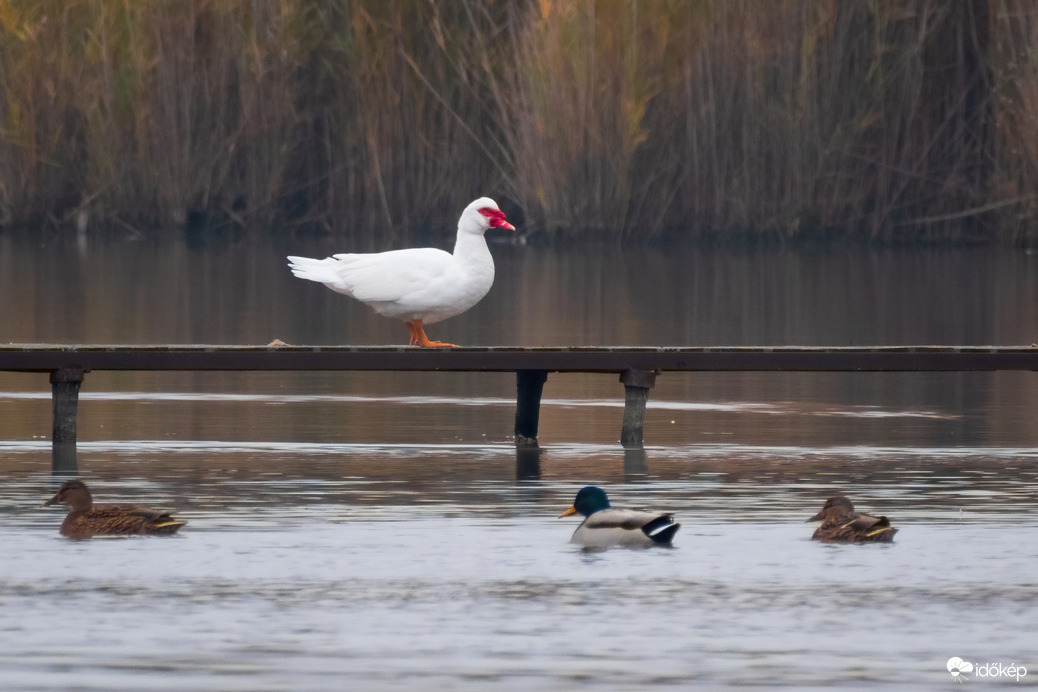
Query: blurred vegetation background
[[910, 121]]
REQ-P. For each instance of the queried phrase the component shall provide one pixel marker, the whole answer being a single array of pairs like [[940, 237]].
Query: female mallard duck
[[841, 523], [85, 519], [607, 526]]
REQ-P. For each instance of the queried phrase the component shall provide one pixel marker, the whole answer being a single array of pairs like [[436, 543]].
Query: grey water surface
[[379, 531]]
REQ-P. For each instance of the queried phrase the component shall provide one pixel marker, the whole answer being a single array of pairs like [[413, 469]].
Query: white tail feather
[[319, 270]]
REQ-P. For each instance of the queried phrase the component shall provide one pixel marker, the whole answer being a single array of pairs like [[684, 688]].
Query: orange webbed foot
[[419, 337]]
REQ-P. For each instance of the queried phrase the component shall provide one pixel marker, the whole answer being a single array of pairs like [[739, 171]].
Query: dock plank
[[50, 357]]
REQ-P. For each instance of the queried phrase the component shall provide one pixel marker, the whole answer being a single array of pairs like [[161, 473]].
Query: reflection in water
[[527, 463], [381, 530], [63, 459], [635, 464], [729, 482], [157, 292]]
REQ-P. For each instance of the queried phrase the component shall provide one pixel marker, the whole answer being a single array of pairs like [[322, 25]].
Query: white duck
[[419, 285]]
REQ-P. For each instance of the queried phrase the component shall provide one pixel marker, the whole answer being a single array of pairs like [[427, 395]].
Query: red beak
[[496, 218], [499, 222]]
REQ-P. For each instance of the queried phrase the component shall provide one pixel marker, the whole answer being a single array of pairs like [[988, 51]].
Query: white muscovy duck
[[419, 285]]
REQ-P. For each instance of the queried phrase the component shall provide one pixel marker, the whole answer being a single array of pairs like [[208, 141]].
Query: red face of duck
[[496, 218]]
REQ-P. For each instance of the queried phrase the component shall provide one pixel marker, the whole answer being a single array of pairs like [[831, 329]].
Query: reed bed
[[613, 120]]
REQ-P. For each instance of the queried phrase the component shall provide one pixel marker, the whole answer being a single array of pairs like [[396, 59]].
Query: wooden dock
[[637, 368], [51, 357]]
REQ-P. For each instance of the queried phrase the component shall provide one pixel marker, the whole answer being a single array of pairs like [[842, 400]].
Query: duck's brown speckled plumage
[[85, 519], [841, 523]]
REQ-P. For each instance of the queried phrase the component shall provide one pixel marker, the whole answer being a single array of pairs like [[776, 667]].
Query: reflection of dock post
[[64, 384], [637, 384], [529, 385], [528, 463], [635, 464]]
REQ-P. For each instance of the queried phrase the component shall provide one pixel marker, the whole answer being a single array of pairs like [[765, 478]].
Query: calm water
[[378, 531]]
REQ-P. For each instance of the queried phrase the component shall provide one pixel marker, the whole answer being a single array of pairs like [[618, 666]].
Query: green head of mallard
[[588, 501]]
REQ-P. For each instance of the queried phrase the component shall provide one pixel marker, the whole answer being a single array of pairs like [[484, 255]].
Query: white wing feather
[[382, 277], [391, 276]]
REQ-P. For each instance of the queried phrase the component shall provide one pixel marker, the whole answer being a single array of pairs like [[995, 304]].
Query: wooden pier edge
[[637, 367]]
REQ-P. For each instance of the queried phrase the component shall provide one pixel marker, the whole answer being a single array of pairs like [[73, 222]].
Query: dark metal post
[[637, 384], [64, 384], [529, 385]]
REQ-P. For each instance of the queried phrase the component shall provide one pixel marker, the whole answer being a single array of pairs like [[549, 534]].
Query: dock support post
[[529, 384], [64, 384], [637, 384]]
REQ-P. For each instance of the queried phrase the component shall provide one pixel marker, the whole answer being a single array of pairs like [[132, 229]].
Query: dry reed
[[619, 120]]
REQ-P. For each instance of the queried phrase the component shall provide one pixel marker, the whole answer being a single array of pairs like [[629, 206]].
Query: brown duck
[[841, 523], [85, 519]]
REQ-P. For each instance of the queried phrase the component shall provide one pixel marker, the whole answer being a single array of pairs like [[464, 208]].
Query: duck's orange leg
[[414, 334], [419, 338]]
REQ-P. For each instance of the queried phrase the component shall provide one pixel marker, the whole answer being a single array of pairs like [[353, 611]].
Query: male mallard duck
[[841, 523], [608, 526], [85, 519]]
